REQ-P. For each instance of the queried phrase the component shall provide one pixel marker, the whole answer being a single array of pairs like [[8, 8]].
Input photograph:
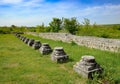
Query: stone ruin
[[88, 41], [31, 42], [26, 40], [87, 66], [23, 39], [17, 35], [36, 45], [45, 49], [59, 55]]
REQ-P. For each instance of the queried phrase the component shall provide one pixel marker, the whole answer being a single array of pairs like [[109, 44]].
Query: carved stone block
[[45, 49], [17, 35], [31, 42], [59, 55], [87, 66], [23, 38], [26, 40], [36, 44]]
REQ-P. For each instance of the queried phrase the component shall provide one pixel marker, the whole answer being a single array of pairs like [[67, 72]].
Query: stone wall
[[88, 41]]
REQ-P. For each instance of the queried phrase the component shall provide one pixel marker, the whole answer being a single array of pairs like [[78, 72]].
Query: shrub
[[105, 35]]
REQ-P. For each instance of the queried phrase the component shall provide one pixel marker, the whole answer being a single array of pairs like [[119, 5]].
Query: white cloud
[[10, 1], [20, 3], [103, 14], [32, 3], [35, 12]]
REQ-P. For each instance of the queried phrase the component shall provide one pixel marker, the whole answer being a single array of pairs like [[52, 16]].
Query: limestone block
[[17, 35], [59, 55], [87, 66], [26, 40], [31, 42], [36, 45], [23, 38], [45, 49]]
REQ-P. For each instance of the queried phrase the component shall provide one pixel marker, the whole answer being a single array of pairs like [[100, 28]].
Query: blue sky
[[36, 12]]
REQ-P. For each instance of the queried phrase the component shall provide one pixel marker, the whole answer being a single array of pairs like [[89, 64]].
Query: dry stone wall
[[88, 41]]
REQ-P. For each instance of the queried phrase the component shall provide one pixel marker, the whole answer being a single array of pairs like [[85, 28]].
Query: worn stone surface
[[59, 55], [45, 49], [26, 40], [23, 38], [87, 66], [36, 44], [88, 41], [31, 42], [17, 35]]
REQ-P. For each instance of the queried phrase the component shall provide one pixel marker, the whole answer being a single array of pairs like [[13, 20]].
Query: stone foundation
[[88, 41], [87, 66], [45, 49], [26, 40], [59, 55], [36, 45], [31, 42]]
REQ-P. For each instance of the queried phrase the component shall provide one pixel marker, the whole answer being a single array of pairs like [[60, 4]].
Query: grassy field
[[20, 64], [100, 32]]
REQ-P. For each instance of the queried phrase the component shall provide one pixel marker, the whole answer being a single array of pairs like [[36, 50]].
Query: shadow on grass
[[65, 61]]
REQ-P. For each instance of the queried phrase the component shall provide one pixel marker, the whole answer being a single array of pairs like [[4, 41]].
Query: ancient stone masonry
[[36, 45], [92, 42], [17, 35], [31, 42], [26, 40], [87, 66], [59, 55], [45, 49], [23, 39]]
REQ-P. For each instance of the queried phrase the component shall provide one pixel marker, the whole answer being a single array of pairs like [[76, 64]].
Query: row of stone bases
[[85, 67], [57, 55]]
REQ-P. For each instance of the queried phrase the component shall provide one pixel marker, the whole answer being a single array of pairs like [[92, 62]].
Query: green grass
[[99, 32], [20, 64], [104, 31]]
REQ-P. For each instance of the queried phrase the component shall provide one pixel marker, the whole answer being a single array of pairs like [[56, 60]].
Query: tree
[[86, 23], [13, 26], [40, 28], [47, 29], [55, 24], [71, 25], [94, 25]]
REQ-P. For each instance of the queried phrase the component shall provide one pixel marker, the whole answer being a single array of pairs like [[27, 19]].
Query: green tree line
[[69, 25]]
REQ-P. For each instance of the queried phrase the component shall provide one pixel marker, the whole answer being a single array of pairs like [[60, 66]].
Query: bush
[[105, 35]]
